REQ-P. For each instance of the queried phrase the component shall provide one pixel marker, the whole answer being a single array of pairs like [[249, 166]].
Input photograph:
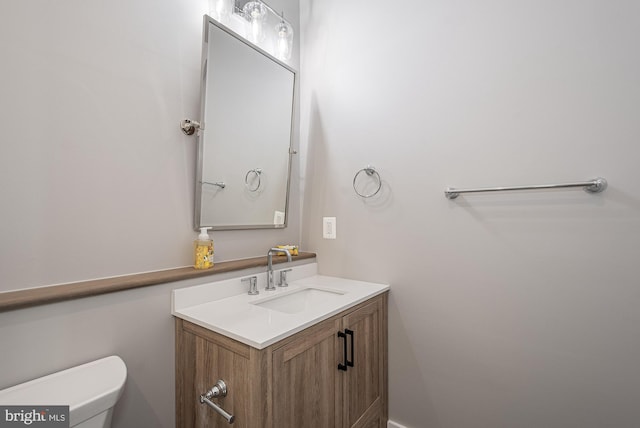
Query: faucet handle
[[283, 278], [253, 285]]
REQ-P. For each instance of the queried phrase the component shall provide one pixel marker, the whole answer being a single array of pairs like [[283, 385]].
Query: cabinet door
[[364, 393], [214, 361], [307, 391]]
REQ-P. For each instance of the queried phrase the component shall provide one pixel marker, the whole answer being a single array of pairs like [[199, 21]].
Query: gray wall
[[98, 180], [511, 310], [135, 324], [506, 310]]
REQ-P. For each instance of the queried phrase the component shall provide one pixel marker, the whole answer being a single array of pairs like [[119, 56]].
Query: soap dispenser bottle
[[203, 250]]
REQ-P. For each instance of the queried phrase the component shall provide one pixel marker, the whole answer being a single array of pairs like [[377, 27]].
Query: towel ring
[[258, 173], [370, 171]]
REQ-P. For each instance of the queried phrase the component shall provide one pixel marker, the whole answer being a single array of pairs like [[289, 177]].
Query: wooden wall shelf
[[17, 299]]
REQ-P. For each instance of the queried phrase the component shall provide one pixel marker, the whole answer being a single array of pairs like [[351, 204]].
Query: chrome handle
[[220, 410], [218, 390], [283, 278], [253, 285]]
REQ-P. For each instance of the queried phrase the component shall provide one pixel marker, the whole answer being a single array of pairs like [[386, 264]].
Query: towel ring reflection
[[258, 174], [370, 171]]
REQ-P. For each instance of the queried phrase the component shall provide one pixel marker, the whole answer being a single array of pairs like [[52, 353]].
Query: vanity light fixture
[[284, 41], [255, 12], [257, 22]]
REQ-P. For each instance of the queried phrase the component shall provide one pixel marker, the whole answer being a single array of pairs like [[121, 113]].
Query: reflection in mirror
[[244, 146]]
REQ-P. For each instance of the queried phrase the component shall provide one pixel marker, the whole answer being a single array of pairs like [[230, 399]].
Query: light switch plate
[[278, 218], [329, 227]]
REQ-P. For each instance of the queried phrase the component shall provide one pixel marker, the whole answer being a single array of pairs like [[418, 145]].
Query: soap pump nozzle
[[204, 235]]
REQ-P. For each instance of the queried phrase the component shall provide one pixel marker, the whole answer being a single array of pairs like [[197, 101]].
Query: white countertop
[[226, 308]]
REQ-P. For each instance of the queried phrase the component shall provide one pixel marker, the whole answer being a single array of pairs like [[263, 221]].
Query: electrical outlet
[[329, 227]]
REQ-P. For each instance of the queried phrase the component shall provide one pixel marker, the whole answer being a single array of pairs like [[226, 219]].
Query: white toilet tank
[[90, 390]]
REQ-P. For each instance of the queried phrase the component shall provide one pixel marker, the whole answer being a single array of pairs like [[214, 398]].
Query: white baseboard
[[391, 424]]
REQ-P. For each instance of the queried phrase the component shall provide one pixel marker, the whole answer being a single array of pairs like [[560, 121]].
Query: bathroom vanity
[[313, 354]]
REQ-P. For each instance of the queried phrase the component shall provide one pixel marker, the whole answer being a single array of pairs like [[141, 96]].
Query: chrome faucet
[[270, 285]]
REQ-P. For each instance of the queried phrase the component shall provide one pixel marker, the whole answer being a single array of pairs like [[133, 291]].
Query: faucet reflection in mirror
[[257, 22]]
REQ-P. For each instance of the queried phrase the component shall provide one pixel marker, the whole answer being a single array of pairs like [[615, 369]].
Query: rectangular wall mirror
[[244, 145]]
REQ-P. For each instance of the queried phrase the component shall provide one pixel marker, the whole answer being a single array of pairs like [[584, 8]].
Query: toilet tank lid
[[88, 389]]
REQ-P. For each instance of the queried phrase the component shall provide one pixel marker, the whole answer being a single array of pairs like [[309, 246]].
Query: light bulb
[[284, 43], [255, 12]]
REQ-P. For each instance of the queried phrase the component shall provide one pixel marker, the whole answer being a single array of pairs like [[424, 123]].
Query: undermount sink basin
[[299, 300], [259, 321]]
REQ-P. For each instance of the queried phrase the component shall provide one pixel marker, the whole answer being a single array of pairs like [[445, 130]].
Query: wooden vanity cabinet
[[293, 383]]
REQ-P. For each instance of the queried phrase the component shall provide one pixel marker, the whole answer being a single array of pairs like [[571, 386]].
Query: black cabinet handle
[[349, 333], [346, 362]]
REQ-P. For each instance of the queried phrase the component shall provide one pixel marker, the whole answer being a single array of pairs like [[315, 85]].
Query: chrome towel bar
[[596, 185], [220, 184]]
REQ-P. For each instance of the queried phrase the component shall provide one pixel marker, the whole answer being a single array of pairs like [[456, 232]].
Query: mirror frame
[[200, 144]]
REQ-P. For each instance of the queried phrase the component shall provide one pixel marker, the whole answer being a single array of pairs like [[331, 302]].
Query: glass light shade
[[284, 40], [221, 10], [256, 13]]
